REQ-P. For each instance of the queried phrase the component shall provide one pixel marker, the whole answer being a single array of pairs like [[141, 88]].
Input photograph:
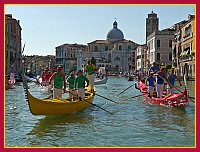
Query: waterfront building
[[13, 47], [188, 48], [159, 45], [159, 42], [142, 58], [176, 46], [66, 56], [36, 64]]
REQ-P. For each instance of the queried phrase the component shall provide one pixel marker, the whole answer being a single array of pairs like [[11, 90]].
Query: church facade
[[115, 53]]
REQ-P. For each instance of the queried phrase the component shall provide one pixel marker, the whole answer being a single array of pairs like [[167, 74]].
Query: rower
[[151, 80], [161, 76], [171, 78]]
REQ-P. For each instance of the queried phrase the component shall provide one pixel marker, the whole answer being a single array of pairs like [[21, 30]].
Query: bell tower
[[152, 23]]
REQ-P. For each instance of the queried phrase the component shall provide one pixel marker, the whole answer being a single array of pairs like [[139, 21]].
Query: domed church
[[115, 52], [115, 34]]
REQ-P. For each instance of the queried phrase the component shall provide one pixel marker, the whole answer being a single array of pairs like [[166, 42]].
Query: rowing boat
[[99, 81], [51, 106], [101, 77], [8, 85], [171, 100]]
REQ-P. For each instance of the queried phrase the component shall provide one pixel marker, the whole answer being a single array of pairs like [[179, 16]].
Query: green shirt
[[81, 81], [71, 81], [90, 69], [58, 81]]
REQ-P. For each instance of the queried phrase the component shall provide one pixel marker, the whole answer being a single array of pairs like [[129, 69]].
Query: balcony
[[187, 36], [185, 58]]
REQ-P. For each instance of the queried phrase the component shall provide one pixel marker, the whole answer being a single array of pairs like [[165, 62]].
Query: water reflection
[[57, 126]]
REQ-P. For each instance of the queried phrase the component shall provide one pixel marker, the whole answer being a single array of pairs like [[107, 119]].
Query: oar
[[130, 97], [93, 104], [125, 89], [105, 98]]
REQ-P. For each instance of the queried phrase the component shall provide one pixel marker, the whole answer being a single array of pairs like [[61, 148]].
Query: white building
[[159, 47], [140, 57]]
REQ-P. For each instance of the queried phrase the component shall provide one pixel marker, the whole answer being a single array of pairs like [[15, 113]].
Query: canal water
[[134, 123]]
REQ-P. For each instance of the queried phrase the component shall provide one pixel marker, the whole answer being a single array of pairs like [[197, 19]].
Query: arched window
[[120, 47]]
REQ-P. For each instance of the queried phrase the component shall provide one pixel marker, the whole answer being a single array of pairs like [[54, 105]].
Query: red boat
[[171, 100], [9, 85]]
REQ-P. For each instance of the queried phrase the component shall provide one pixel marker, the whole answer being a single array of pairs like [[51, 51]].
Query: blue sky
[[46, 26]]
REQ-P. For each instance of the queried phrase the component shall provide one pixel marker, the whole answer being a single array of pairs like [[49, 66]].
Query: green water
[[134, 123]]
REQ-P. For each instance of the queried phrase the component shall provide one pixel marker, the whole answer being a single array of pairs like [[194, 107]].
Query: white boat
[[28, 79], [101, 81], [101, 76]]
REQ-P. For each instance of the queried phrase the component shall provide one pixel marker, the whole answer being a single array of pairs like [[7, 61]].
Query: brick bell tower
[[152, 23]]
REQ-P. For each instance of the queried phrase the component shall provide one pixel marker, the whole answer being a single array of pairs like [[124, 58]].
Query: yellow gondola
[[51, 106]]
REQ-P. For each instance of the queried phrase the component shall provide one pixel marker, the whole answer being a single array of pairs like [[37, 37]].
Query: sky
[[44, 27]]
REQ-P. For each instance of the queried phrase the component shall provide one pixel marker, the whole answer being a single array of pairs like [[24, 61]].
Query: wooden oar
[[130, 97], [125, 89], [105, 98], [92, 104]]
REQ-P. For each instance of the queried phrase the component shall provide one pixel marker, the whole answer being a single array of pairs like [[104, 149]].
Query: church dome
[[115, 34]]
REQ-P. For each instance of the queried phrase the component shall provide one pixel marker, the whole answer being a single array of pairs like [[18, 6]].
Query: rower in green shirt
[[71, 83], [80, 80], [59, 83]]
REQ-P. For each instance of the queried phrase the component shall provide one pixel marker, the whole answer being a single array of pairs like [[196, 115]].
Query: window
[[117, 59], [158, 56], [129, 47], [170, 56], [120, 47], [96, 48], [106, 48], [170, 43], [158, 43]]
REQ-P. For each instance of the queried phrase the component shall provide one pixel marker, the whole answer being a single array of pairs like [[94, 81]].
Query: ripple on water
[[134, 123]]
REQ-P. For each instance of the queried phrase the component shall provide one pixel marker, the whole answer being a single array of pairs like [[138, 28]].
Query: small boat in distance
[[101, 77]]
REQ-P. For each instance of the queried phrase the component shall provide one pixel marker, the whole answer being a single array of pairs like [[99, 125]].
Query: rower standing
[[151, 80], [71, 82], [80, 80], [171, 78], [59, 81], [161, 76]]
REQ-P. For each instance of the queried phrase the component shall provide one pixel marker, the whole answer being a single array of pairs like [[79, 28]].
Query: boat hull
[[171, 100], [57, 106], [8, 86], [101, 81]]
